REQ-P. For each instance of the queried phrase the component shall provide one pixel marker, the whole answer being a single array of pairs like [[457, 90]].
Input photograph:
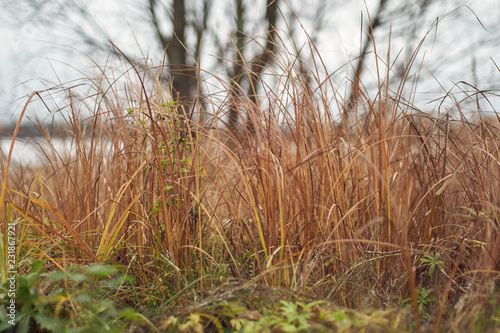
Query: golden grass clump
[[367, 212]]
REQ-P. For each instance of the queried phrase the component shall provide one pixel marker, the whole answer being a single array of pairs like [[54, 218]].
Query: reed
[[368, 213]]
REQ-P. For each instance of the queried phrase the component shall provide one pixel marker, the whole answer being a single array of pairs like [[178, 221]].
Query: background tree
[[430, 29], [181, 29], [232, 33]]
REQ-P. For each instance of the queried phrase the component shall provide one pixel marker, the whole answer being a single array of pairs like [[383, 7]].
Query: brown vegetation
[[365, 215]]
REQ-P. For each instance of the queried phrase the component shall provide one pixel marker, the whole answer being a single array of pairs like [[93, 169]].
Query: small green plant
[[81, 298], [26, 297], [295, 316], [432, 262], [424, 299], [173, 147], [292, 317]]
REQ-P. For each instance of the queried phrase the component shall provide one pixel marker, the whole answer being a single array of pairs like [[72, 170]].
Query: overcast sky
[[34, 58]]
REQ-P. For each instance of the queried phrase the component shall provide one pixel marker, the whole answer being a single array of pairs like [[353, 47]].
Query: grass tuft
[[289, 221]]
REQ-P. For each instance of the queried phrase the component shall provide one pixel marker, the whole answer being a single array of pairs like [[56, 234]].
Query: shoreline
[[27, 131]]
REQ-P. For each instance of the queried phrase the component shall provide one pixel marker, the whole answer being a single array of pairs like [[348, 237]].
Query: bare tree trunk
[[265, 58], [237, 68], [183, 73], [177, 53]]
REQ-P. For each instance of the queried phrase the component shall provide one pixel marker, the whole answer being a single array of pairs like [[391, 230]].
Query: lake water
[[31, 152], [27, 152]]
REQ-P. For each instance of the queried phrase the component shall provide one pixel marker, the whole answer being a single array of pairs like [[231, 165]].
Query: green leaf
[[44, 321], [427, 258], [115, 283], [129, 313], [312, 305], [100, 271], [82, 298], [56, 276], [24, 325], [288, 307], [4, 326], [37, 266], [182, 170]]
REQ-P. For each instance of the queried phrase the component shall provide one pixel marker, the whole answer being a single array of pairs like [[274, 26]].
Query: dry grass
[[292, 199]]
